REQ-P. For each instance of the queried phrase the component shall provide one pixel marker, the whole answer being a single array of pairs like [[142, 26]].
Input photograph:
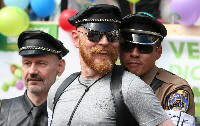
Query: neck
[[37, 99], [149, 76]]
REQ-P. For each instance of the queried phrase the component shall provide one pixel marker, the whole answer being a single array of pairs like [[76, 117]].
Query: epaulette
[[169, 77]]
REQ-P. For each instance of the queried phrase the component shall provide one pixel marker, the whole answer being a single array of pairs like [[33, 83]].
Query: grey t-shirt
[[97, 106]]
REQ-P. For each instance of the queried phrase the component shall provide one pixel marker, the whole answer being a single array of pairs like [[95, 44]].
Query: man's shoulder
[[9, 101], [53, 90], [129, 76], [131, 80], [5, 104], [56, 85], [170, 78]]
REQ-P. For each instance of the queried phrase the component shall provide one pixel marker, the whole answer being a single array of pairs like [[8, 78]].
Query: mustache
[[34, 77], [102, 49], [134, 60]]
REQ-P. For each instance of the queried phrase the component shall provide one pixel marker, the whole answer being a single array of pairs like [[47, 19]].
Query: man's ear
[[61, 67], [159, 52], [75, 38]]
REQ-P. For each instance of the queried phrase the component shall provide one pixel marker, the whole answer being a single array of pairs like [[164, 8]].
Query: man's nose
[[104, 40], [33, 69], [135, 52]]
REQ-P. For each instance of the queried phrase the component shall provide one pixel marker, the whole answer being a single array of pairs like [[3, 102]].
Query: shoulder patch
[[178, 101]]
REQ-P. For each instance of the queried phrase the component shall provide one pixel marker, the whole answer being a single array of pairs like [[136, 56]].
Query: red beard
[[101, 65]]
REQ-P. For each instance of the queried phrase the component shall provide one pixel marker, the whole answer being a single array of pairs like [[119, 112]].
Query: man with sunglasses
[[88, 100], [141, 47]]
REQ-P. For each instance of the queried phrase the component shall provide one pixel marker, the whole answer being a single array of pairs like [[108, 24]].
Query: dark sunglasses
[[95, 36], [144, 49]]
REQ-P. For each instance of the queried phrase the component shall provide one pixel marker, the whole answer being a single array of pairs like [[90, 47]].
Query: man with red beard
[[41, 63], [140, 50], [88, 100]]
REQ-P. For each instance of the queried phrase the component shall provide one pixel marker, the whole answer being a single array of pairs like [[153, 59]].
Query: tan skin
[[139, 63], [39, 74]]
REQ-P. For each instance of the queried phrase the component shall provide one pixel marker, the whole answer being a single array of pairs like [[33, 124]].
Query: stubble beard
[[36, 88], [102, 66]]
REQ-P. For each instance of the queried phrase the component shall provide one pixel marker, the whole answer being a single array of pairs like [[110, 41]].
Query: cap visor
[[140, 38], [32, 52], [101, 27]]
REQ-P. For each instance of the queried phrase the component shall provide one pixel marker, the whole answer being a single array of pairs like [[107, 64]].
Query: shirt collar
[[148, 78], [28, 105]]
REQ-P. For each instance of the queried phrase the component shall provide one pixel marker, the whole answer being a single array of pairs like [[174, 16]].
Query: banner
[[11, 84], [181, 56]]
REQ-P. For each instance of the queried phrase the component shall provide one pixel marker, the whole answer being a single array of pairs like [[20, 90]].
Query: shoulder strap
[[124, 116], [63, 86], [155, 84]]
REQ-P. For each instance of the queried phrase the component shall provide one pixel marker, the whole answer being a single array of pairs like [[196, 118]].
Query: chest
[[96, 106]]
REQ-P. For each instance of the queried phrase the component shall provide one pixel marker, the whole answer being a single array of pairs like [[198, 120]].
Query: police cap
[[33, 42], [142, 28], [99, 17]]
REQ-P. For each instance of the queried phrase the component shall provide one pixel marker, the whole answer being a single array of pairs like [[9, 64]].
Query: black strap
[[124, 116], [63, 86], [155, 84]]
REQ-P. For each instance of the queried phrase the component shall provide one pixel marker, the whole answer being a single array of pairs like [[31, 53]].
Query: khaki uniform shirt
[[172, 83]]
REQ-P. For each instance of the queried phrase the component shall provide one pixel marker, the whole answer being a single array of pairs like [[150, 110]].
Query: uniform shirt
[[17, 112], [97, 106], [175, 93]]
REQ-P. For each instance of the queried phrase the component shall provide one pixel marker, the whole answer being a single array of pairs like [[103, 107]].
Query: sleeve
[[180, 118], [178, 101], [142, 102]]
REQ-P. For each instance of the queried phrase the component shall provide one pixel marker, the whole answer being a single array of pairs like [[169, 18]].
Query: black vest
[[17, 112]]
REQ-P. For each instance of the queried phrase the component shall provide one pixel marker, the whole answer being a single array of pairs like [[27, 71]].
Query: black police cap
[[101, 15], [143, 22], [33, 42]]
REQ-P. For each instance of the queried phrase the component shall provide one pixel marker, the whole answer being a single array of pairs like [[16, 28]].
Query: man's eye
[[42, 64], [26, 63]]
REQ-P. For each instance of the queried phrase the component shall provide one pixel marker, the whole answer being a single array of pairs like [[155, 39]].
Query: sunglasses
[[95, 36], [143, 49]]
